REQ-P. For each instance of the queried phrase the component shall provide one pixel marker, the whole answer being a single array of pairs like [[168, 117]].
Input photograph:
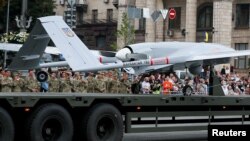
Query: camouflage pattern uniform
[[115, 85], [75, 85], [125, 84], [100, 84], [1, 78], [53, 84], [31, 85], [65, 85], [18, 84], [91, 84], [107, 81], [82, 86], [7, 83]]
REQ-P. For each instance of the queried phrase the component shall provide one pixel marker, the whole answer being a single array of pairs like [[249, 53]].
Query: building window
[[205, 17], [142, 23], [94, 15], [242, 15], [109, 15], [241, 62], [100, 42], [176, 23]]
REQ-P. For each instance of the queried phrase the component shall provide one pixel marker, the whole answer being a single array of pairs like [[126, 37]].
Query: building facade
[[95, 21], [225, 22]]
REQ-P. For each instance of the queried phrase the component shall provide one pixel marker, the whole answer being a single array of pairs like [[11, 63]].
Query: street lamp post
[[7, 32], [22, 23]]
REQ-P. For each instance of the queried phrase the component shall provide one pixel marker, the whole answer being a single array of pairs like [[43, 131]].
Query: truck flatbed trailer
[[100, 116]]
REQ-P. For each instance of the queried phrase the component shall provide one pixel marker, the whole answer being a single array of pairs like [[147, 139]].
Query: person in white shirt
[[225, 87], [146, 86]]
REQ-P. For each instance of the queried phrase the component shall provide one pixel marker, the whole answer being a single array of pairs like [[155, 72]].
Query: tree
[[126, 32], [36, 8], [2, 3]]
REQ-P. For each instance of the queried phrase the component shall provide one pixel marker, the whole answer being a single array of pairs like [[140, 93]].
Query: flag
[[145, 13], [138, 13], [164, 13], [131, 12], [134, 12], [155, 15]]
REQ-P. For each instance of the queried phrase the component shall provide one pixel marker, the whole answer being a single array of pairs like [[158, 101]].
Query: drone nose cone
[[122, 54]]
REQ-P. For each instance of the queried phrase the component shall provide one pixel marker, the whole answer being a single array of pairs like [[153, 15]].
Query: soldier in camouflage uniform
[[115, 84], [107, 81], [82, 86], [91, 81], [31, 84], [65, 83], [79, 85], [18, 83], [125, 84], [1, 78], [100, 84], [53, 83], [7, 82]]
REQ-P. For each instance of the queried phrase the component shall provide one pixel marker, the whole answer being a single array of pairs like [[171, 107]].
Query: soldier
[[31, 84], [100, 84], [75, 82], [1, 77], [91, 83], [7, 82], [125, 84], [82, 86], [65, 83], [53, 83], [108, 79], [18, 83], [114, 84]]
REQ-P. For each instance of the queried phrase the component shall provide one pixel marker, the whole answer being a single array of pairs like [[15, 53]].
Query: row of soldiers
[[65, 81], [15, 83]]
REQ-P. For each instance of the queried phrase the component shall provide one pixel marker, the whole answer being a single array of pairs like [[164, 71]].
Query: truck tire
[[6, 126], [50, 122], [103, 122]]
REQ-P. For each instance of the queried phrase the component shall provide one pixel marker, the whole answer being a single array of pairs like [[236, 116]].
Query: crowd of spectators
[[232, 83]]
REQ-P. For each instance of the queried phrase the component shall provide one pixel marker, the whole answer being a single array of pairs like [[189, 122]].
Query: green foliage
[[126, 31], [114, 46], [36, 8], [14, 37]]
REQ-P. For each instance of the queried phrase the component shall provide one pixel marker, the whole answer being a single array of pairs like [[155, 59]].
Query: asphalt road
[[167, 136]]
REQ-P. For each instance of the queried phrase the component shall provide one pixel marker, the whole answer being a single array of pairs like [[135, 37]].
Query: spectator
[[167, 86], [223, 70], [146, 86]]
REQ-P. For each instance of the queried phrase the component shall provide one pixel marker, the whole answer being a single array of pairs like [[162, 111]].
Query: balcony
[[81, 5], [97, 21]]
